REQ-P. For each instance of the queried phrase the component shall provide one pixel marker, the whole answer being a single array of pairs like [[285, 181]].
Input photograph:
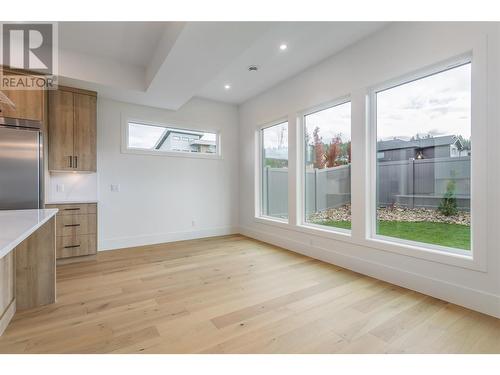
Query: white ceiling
[[126, 42], [165, 64]]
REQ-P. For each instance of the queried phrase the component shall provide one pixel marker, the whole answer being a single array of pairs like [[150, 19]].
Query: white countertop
[[17, 225]]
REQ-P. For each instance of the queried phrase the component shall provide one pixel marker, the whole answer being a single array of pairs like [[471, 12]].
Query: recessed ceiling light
[[227, 87], [283, 46]]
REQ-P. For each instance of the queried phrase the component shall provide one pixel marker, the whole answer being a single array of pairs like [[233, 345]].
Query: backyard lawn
[[444, 234]]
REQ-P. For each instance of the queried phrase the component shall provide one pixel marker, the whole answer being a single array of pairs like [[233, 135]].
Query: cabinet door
[[29, 103], [85, 132], [61, 150]]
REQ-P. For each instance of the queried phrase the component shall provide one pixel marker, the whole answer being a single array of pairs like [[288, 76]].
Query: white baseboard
[[152, 239], [471, 298]]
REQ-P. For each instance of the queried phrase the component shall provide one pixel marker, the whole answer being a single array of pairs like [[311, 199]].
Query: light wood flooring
[[236, 295]]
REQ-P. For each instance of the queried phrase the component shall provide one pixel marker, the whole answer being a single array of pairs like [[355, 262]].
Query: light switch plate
[[115, 188]]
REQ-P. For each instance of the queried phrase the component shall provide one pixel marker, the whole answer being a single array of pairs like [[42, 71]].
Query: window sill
[[281, 223], [337, 234], [179, 154], [433, 253], [429, 252]]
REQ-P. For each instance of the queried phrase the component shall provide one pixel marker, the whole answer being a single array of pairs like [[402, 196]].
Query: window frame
[[141, 151], [301, 191], [259, 160], [475, 258]]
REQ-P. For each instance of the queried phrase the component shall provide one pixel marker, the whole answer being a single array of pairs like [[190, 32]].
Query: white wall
[[394, 51], [160, 197], [165, 198]]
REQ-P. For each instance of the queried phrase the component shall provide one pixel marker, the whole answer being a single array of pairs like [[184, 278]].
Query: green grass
[[450, 235]]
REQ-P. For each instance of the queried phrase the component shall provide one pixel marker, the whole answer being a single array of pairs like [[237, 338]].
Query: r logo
[[29, 46]]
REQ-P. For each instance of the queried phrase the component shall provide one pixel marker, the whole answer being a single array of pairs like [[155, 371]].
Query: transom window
[[161, 139]]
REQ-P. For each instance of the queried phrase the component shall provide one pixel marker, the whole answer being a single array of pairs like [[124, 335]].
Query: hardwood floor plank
[[233, 294]]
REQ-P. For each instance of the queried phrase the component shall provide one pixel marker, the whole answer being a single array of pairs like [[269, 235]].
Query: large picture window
[[423, 159], [327, 161], [274, 171]]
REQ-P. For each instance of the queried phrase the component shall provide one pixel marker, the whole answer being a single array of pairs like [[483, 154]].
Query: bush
[[448, 205]]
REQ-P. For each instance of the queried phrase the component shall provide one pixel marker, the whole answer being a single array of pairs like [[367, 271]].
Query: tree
[[319, 154], [349, 152], [333, 152], [448, 205]]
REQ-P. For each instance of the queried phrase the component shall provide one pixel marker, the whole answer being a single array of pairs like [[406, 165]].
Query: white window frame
[[139, 151], [258, 216], [301, 190], [476, 257]]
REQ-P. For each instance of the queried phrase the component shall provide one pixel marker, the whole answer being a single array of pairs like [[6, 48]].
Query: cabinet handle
[[70, 161], [72, 209], [76, 161], [72, 246], [71, 225]]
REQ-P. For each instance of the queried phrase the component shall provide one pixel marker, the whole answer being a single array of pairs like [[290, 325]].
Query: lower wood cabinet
[[76, 234]]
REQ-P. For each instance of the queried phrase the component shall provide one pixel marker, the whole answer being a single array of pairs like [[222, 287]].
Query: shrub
[[448, 205]]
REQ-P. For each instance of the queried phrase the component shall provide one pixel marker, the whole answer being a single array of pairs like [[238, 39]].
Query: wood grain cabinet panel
[[61, 130], [76, 230], [36, 268], [29, 103], [7, 277], [72, 130], [70, 246], [85, 132], [75, 225]]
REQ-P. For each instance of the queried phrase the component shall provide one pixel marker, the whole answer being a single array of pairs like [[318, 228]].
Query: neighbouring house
[[185, 140], [421, 148]]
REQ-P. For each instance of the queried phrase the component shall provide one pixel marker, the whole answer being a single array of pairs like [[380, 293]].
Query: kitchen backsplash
[[71, 186]]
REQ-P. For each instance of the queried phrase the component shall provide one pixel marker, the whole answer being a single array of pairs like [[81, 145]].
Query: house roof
[[396, 144], [169, 131]]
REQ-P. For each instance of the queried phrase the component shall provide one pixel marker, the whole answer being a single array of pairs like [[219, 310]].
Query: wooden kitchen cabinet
[[76, 231], [61, 130], [72, 130], [85, 132], [29, 104]]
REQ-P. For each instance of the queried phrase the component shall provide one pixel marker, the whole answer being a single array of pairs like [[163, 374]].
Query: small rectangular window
[[274, 171], [423, 184], [327, 161], [162, 139]]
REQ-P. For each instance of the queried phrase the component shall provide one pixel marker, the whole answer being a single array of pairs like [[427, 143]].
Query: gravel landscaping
[[343, 213]]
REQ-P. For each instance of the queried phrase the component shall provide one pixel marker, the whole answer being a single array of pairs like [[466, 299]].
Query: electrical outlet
[[193, 223], [115, 188], [60, 188]]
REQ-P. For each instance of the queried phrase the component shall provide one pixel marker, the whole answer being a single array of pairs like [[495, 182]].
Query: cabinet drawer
[[74, 209], [76, 225], [74, 246]]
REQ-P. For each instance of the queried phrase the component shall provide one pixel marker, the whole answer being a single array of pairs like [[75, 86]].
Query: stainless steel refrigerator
[[21, 164]]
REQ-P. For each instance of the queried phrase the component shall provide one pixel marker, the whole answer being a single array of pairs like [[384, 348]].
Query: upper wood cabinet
[[72, 130], [29, 104]]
